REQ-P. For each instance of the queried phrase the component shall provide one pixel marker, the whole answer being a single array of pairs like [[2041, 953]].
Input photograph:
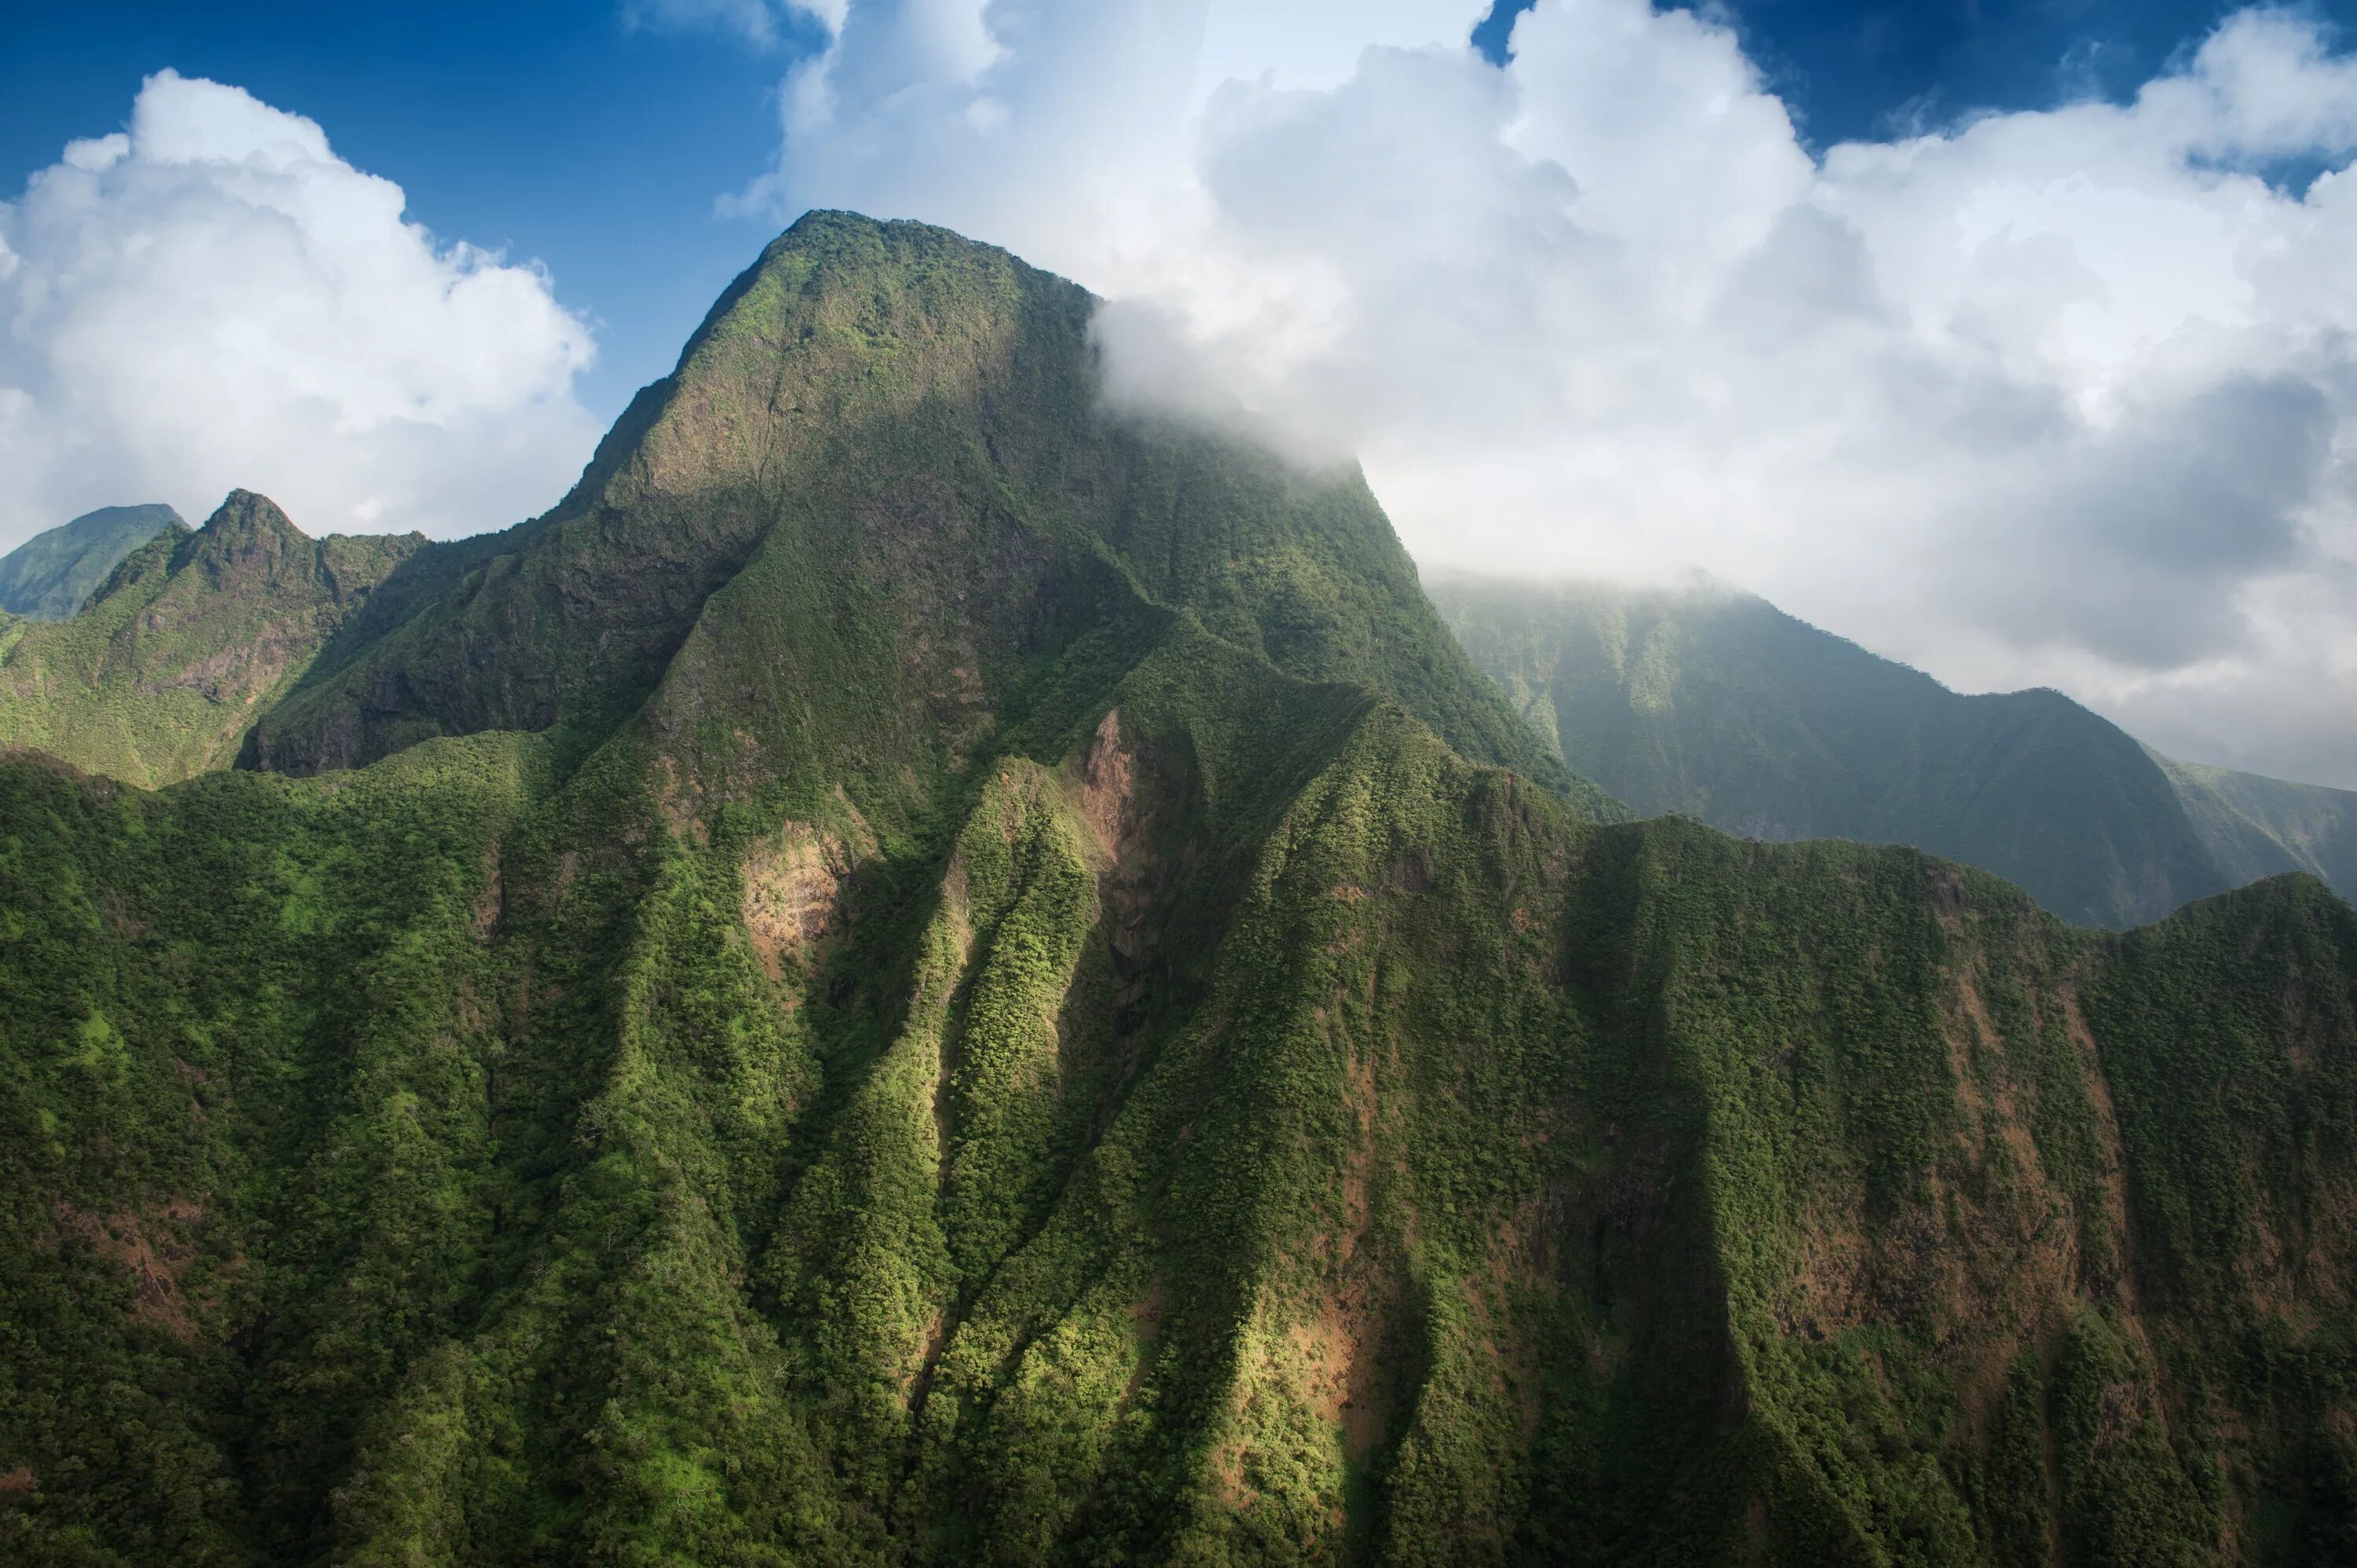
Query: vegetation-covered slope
[[864, 403], [2255, 827], [51, 575], [190, 637], [1720, 707], [982, 1060]]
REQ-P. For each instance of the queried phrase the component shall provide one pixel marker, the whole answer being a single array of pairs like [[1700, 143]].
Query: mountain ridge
[[1715, 703], [1020, 1034], [189, 638]]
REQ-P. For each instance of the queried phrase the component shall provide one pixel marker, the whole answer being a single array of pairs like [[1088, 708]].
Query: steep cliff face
[[186, 642], [1026, 1036]]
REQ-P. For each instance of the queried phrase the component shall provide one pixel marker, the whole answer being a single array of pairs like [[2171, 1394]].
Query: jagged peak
[[246, 529], [250, 513]]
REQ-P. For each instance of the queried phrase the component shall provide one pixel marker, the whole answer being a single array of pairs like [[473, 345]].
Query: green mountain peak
[[891, 417], [246, 527]]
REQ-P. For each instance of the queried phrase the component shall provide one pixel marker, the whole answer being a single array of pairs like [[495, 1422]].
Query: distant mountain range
[[1717, 705], [924, 971], [51, 574]]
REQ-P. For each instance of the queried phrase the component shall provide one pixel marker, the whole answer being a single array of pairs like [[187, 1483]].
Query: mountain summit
[[920, 973], [884, 450]]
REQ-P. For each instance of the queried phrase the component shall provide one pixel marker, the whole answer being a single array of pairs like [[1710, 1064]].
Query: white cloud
[[2064, 397], [214, 299]]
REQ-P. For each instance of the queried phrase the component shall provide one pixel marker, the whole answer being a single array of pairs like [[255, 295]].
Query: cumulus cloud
[[213, 299], [2053, 397]]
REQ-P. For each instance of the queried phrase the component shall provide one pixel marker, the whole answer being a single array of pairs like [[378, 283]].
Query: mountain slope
[[861, 389], [2256, 827], [1721, 708], [51, 574], [189, 639], [959, 1046]]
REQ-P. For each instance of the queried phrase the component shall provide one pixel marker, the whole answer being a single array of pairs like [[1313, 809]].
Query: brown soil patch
[[681, 801], [1995, 1117], [1345, 1371], [1834, 1286], [792, 893], [928, 1360], [1983, 1263], [1123, 802], [241, 672], [1109, 787], [1355, 1300], [1947, 894], [934, 989], [1511, 1273], [2107, 1129], [157, 1250]]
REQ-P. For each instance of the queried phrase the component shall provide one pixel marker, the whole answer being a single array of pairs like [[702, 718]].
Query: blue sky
[[552, 131], [561, 133]]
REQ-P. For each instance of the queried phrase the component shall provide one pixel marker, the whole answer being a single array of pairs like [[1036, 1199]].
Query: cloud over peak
[[2059, 397], [213, 298]]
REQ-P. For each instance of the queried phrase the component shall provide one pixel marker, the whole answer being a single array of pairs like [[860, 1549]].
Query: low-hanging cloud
[[2061, 396], [213, 299]]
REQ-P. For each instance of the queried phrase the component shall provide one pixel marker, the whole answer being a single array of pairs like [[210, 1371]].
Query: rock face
[[53, 574], [921, 974], [190, 639]]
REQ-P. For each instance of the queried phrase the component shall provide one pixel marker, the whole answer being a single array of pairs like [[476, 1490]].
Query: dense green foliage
[[1717, 705], [51, 574], [1007, 1034], [189, 639]]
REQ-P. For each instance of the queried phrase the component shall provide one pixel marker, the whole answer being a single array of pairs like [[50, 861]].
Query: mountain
[[2256, 827], [923, 973], [51, 575], [1717, 705], [190, 637], [843, 487]]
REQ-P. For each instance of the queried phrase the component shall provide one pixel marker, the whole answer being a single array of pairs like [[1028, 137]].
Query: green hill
[[919, 974], [189, 639], [1717, 705], [51, 574]]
